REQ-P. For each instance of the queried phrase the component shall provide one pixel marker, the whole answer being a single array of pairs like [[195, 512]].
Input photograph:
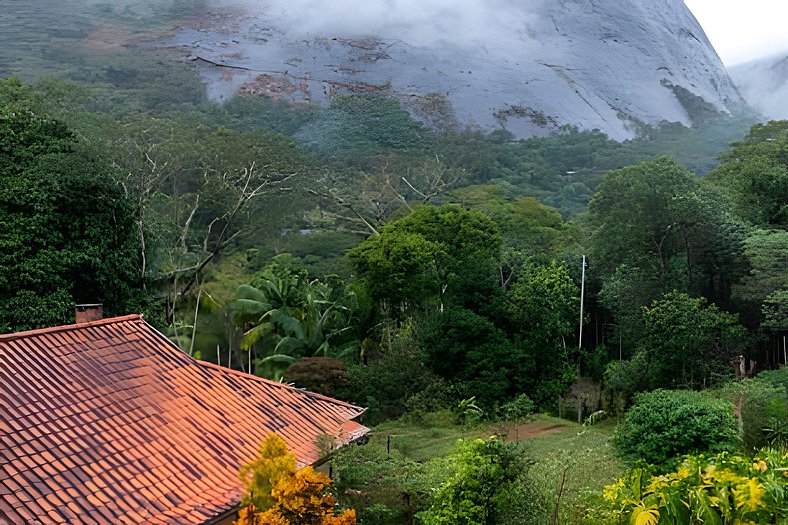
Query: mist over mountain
[[764, 84], [526, 66]]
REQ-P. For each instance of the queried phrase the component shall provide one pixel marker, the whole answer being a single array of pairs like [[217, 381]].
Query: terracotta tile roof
[[109, 423]]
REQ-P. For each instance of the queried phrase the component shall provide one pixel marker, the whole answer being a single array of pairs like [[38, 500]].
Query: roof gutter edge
[[223, 516]]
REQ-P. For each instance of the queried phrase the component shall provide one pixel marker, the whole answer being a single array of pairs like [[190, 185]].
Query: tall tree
[[637, 212], [361, 202], [431, 257], [198, 191], [470, 351], [66, 228], [689, 343], [543, 308], [657, 228], [767, 254], [762, 294], [531, 232], [755, 174]]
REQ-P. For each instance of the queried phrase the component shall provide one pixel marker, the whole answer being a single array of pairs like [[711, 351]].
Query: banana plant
[[289, 319]]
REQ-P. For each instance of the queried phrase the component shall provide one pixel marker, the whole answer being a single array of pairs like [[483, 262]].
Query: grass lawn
[[580, 458], [395, 474], [433, 437]]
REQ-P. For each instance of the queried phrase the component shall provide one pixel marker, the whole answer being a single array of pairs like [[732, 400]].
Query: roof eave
[[221, 517]]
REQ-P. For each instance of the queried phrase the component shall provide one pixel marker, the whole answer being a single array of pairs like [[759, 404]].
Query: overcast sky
[[742, 30]]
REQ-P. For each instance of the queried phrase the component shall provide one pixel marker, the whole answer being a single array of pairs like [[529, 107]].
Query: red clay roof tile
[[108, 422]]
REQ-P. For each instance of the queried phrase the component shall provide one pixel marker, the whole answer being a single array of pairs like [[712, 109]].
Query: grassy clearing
[[582, 459], [395, 474], [434, 436]]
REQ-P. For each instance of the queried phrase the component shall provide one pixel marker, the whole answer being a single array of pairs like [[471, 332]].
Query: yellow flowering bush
[[718, 489], [279, 494]]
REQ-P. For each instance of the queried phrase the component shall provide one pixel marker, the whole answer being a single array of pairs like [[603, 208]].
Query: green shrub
[[623, 379], [475, 355], [434, 397], [666, 423], [489, 486], [776, 433], [776, 378], [469, 413], [385, 385], [595, 362], [518, 409], [762, 408], [726, 488]]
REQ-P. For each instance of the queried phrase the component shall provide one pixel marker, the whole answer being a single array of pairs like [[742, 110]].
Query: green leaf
[[250, 307], [289, 345], [288, 324], [255, 334], [250, 293], [644, 516], [279, 358]]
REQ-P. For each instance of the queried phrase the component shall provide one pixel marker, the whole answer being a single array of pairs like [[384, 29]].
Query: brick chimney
[[89, 312]]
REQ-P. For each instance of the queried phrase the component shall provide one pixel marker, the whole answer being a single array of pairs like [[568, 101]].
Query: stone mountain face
[[529, 66], [764, 84]]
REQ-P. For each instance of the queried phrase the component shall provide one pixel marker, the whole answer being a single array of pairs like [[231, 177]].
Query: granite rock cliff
[[527, 66]]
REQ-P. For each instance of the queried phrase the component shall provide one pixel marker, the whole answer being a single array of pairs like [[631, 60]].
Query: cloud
[[418, 22], [743, 31]]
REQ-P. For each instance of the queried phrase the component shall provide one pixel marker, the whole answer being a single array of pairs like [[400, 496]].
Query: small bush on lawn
[[664, 424], [489, 485], [518, 409], [726, 488]]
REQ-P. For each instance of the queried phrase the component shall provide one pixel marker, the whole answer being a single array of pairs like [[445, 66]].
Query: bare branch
[[188, 223], [414, 188]]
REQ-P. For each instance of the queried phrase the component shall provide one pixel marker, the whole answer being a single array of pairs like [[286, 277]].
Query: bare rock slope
[[528, 66]]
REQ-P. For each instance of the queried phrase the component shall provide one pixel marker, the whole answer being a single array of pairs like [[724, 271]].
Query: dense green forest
[[353, 251]]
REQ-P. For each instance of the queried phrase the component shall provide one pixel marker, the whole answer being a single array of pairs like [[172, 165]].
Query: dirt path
[[523, 431]]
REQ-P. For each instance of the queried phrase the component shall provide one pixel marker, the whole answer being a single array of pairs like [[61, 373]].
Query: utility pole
[[582, 297], [580, 342]]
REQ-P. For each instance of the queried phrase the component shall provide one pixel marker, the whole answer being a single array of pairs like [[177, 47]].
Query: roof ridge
[[69, 327], [139, 317], [282, 385]]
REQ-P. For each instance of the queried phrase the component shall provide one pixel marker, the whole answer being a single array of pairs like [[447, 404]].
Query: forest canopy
[[257, 245], [435, 277]]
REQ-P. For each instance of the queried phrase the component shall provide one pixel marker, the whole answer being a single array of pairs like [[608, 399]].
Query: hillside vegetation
[[434, 278]]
